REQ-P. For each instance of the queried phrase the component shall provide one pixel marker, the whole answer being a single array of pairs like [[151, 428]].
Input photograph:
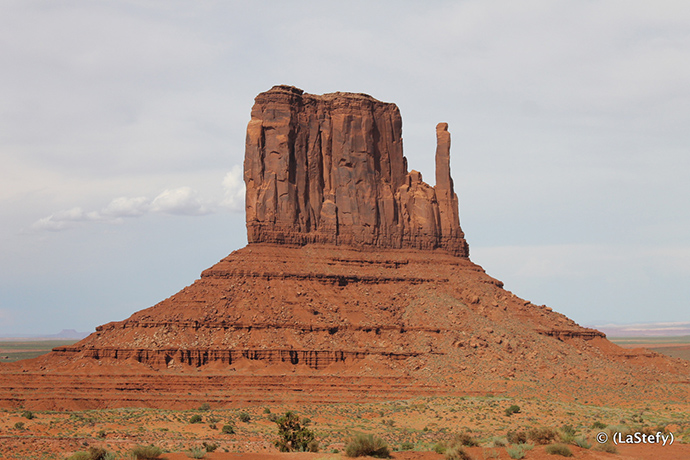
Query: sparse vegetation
[[244, 417], [516, 452], [514, 409], [517, 437], [196, 452], [146, 452], [581, 441], [541, 435], [293, 436], [598, 425], [559, 449], [464, 439], [19, 426], [367, 444], [94, 453], [205, 407], [609, 447], [407, 445], [457, 453], [228, 429], [27, 414], [196, 418]]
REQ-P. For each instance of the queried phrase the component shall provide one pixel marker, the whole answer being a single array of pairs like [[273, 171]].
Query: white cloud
[[233, 183], [180, 201]]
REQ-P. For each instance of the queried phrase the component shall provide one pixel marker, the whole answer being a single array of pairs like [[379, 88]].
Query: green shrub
[[516, 452], [581, 441], [267, 410], [499, 442], [457, 453], [490, 453], [293, 436], [367, 444], [244, 417], [146, 452], [606, 447], [101, 434], [196, 418], [210, 447], [542, 435], [205, 407], [440, 447], [517, 437], [514, 409], [79, 456], [464, 439], [559, 449], [598, 425], [94, 453], [196, 452], [228, 429], [407, 445], [27, 414]]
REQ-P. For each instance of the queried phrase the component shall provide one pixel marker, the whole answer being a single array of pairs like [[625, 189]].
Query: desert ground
[[413, 429]]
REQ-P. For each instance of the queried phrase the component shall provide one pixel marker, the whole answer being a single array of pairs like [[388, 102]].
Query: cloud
[[181, 201], [233, 183]]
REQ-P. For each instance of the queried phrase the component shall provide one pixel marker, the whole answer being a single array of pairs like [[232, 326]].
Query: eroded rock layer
[[330, 169]]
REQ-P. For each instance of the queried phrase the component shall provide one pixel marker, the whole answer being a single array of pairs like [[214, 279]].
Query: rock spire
[[330, 169]]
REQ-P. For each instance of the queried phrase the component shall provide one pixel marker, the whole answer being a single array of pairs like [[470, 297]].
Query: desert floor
[[412, 428]]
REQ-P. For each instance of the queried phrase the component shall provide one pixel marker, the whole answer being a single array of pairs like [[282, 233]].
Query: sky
[[122, 129]]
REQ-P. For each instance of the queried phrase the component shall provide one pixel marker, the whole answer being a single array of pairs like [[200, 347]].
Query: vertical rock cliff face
[[330, 169]]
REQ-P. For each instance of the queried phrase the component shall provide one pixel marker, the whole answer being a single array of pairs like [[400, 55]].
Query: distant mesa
[[356, 285], [330, 169]]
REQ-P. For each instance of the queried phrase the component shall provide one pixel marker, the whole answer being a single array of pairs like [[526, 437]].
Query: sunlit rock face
[[330, 169]]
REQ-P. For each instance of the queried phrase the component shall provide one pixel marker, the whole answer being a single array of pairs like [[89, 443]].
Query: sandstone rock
[[330, 169]]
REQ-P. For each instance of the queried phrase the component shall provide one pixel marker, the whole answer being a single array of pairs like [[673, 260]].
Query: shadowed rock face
[[330, 169]]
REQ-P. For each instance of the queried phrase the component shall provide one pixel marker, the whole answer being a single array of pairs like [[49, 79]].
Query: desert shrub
[[464, 439], [205, 406], [210, 447], [146, 452], [598, 425], [517, 437], [79, 456], [514, 409], [516, 452], [367, 444], [228, 429], [244, 417], [196, 452], [267, 410], [559, 449], [94, 453], [499, 442], [27, 414], [407, 445], [440, 447], [101, 434], [19, 426], [196, 418], [541, 435], [293, 436], [606, 447], [490, 453], [457, 453], [581, 441]]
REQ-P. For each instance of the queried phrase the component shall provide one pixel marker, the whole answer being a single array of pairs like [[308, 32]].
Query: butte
[[356, 285]]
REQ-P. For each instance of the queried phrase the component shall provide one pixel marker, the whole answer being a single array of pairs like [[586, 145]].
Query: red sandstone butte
[[330, 169], [356, 285]]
